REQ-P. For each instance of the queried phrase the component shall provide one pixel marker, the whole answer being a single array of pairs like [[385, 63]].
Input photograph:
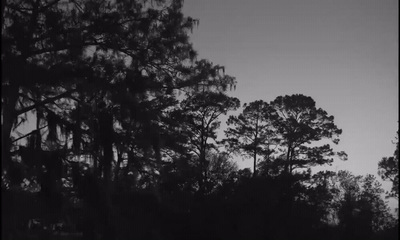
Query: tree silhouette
[[388, 169], [64, 58], [67, 47], [200, 123], [125, 141], [252, 132], [300, 123], [352, 203]]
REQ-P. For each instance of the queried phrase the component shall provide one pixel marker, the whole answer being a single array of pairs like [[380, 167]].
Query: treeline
[[124, 146]]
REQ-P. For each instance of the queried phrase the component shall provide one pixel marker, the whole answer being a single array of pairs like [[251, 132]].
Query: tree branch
[[44, 102], [27, 135]]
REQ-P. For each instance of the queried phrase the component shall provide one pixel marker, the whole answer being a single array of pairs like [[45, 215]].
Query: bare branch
[[48, 100]]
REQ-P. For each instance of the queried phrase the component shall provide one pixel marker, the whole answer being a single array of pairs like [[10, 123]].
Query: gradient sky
[[342, 53]]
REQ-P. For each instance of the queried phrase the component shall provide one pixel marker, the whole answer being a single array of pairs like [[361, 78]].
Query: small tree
[[220, 168], [360, 206], [388, 169], [252, 132], [199, 122], [300, 123]]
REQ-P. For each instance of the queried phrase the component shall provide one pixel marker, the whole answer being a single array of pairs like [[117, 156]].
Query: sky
[[342, 53]]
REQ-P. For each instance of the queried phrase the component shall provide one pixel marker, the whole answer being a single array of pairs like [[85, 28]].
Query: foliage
[[252, 131], [127, 120], [199, 123], [300, 123], [388, 169], [360, 205]]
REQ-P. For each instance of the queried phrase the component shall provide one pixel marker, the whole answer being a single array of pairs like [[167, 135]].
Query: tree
[[220, 168], [321, 193], [89, 67], [200, 123], [360, 206], [61, 57], [197, 116], [388, 169], [79, 47], [300, 123], [252, 132]]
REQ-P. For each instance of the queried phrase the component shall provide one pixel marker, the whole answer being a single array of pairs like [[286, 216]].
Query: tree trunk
[[291, 161], [202, 165], [107, 132], [255, 162], [255, 149], [8, 121], [118, 166], [107, 159], [201, 173], [39, 116], [288, 159], [3, 6]]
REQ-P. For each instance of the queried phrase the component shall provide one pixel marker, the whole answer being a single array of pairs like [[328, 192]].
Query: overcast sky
[[342, 53]]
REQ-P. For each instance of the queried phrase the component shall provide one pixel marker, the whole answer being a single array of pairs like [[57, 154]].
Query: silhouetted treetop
[[388, 169], [300, 123], [252, 132]]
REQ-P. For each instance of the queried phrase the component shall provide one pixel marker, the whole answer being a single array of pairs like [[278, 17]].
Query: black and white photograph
[[199, 120]]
